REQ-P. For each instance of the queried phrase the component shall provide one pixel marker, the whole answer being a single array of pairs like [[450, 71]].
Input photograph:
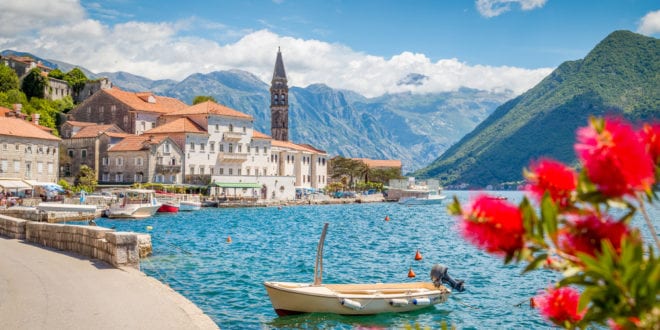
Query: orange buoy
[[411, 274], [387, 218], [228, 239], [418, 256]]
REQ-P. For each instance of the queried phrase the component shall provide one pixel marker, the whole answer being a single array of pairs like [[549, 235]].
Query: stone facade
[[29, 158], [88, 149], [102, 108], [142, 159]]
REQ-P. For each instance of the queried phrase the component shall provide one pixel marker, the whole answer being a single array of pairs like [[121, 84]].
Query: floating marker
[[532, 302], [411, 274], [418, 256], [150, 228], [387, 218], [228, 239]]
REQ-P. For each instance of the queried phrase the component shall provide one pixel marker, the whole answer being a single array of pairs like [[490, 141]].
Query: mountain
[[410, 127], [620, 76]]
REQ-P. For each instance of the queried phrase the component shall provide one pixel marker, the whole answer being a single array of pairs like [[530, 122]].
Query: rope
[[466, 304]]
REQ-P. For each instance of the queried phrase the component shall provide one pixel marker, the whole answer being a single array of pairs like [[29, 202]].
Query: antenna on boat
[[318, 268]]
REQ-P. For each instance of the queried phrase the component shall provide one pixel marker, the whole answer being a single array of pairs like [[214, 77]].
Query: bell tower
[[279, 102]]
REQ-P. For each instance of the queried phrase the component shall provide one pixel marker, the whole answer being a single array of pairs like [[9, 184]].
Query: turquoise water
[[192, 255]]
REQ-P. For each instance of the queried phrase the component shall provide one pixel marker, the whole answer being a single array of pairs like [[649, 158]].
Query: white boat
[[290, 298], [431, 198], [134, 204], [189, 205]]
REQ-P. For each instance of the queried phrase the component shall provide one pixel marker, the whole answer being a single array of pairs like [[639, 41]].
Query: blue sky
[[369, 46]]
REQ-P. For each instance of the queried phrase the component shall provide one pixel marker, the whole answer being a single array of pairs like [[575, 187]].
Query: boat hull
[[353, 299], [168, 208], [140, 212], [422, 201], [189, 206]]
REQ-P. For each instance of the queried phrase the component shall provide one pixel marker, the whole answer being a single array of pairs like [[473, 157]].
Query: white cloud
[[650, 23], [165, 50], [492, 8]]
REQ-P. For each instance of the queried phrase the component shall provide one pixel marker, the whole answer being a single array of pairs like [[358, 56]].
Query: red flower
[[651, 136], [615, 158], [559, 305], [552, 176], [585, 233], [493, 225]]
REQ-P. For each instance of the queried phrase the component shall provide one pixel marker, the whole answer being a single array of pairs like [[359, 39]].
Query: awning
[[237, 184], [14, 184]]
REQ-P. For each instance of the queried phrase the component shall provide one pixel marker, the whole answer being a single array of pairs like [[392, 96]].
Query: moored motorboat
[[425, 200], [189, 205], [169, 206], [134, 204], [358, 299]]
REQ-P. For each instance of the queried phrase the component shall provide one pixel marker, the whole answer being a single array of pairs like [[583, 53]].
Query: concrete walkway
[[41, 288]]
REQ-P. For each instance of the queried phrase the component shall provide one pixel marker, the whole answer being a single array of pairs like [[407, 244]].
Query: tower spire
[[279, 101]]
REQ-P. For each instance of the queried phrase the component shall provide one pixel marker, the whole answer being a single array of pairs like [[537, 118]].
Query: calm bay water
[[192, 255]]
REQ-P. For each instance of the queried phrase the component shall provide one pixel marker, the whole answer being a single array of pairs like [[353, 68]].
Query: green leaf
[[549, 215], [454, 208], [536, 263]]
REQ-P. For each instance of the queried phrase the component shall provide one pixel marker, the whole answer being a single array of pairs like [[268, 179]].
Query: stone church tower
[[279, 102]]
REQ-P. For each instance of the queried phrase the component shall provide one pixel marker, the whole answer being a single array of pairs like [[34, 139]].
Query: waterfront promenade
[[42, 288]]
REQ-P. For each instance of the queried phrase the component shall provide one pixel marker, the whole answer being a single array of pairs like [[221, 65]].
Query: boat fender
[[351, 304], [421, 301], [399, 302]]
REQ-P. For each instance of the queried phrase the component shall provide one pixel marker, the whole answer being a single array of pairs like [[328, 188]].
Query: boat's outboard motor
[[439, 275]]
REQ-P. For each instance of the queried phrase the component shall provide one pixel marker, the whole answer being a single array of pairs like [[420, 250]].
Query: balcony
[[232, 157], [232, 136], [168, 169]]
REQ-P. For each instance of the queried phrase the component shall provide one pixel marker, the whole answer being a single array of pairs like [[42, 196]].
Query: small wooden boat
[[134, 204], [357, 299]]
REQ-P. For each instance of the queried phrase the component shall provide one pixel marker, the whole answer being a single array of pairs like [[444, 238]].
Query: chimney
[[35, 118]]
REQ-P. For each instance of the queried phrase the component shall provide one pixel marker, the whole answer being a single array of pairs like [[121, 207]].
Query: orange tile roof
[[140, 101], [79, 123], [259, 135], [115, 134], [22, 128], [376, 163], [137, 142], [212, 108], [3, 111], [294, 146], [96, 130], [181, 125]]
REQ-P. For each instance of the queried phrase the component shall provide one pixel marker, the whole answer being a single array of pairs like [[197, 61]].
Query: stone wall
[[116, 248]]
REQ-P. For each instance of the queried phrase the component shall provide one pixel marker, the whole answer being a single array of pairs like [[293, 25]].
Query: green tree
[[85, 179], [13, 96], [203, 98], [348, 167], [34, 84], [76, 79], [57, 74], [8, 79]]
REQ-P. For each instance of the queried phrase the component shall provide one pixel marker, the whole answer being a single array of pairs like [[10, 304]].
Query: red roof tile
[[146, 101], [21, 128], [294, 146], [259, 135], [96, 130], [212, 108], [137, 143], [181, 125], [79, 123], [376, 163]]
